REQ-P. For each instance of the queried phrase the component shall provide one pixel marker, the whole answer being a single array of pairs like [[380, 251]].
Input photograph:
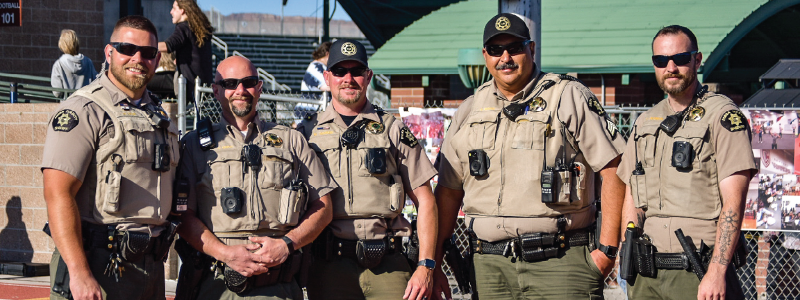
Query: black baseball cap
[[506, 23], [347, 49]]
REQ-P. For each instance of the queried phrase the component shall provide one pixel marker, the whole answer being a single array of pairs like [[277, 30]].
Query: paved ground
[[38, 288]]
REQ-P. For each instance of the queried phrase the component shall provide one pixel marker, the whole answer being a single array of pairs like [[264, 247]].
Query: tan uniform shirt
[[507, 202], [408, 168], [80, 127], [688, 199], [267, 211]]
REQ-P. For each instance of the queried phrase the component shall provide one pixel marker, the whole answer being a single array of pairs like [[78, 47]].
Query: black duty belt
[[533, 247], [131, 244], [672, 261], [348, 248]]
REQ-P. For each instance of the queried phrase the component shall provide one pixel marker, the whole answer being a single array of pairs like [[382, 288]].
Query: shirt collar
[[257, 126], [525, 92], [330, 115]]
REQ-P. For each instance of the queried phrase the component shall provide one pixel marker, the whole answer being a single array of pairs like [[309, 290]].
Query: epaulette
[[569, 77], [379, 110]]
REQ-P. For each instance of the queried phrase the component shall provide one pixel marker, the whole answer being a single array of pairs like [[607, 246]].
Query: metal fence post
[[196, 100], [12, 95], [182, 104]]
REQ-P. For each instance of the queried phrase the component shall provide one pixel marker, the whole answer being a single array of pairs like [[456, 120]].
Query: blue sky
[[306, 8]]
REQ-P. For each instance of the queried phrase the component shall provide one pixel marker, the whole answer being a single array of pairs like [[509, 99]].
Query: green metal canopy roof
[[584, 36]]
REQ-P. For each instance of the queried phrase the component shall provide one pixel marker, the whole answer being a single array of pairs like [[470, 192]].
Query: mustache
[[510, 65], [679, 76], [349, 86], [243, 97]]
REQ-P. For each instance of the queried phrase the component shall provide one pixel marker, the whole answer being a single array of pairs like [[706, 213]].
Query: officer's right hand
[[84, 287], [241, 260], [441, 285]]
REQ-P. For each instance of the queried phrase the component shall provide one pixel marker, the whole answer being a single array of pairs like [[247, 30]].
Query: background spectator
[[163, 83], [72, 70], [191, 43], [313, 79]]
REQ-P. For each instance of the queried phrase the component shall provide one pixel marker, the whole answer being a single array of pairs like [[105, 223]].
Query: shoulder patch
[[595, 106], [65, 120], [733, 120], [406, 137]]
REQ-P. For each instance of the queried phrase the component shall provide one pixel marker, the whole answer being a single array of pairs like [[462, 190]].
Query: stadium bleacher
[[285, 57]]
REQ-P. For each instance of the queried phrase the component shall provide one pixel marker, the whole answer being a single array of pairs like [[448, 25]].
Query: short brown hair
[[136, 22], [68, 42]]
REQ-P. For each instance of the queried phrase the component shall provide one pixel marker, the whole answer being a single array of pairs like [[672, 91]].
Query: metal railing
[[29, 88], [216, 41], [267, 77]]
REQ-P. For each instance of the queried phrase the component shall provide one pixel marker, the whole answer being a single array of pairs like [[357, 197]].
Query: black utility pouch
[[646, 258], [236, 282], [370, 252], [134, 245]]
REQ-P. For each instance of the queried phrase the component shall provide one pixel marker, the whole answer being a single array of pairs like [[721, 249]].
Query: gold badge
[[349, 49], [375, 127], [697, 113], [502, 24], [538, 104], [273, 140]]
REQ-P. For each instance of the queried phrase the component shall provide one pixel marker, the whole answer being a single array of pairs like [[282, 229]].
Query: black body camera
[[161, 158], [682, 154], [548, 181], [251, 157], [376, 160], [478, 163], [351, 137], [157, 118], [231, 200], [205, 134]]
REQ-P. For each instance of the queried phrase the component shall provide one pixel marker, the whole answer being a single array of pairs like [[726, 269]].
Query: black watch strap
[[289, 243], [428, 263], [609, 251]]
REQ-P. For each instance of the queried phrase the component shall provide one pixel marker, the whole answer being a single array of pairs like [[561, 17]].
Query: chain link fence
[[772, 270]]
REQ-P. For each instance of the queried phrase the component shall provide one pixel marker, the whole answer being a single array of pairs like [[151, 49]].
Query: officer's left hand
[[712, 287], [603, 263], [420, 285], [273, 250]]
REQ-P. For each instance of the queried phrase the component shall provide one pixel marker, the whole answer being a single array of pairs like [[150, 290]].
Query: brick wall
[[23, 212], [22, 133], [33, 48], [639, 90]]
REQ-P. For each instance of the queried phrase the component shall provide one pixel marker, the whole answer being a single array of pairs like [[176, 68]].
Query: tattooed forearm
[[729, 224]]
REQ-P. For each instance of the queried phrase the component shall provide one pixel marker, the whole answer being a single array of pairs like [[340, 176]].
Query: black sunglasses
[[131, 49], [233, 83], [680, 59], [513, 48], [341, 71]]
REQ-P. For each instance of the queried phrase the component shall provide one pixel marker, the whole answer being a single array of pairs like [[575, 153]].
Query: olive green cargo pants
[[572, 275], [143, 279], [213, 288], [341, 278], [679, 284]]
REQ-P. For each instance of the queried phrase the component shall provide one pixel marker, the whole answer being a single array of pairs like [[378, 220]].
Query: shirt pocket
[[694, 135], [529, 131], [140, 139], [482, 128], [328, 150], [646, 138], [276, 170]]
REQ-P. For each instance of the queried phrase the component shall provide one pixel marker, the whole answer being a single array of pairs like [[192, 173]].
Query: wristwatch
[[609, 251], [290, 243], [428, 263]]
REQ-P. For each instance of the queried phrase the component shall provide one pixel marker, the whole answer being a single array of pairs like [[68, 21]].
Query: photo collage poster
[[429, 126], [773, 196]]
